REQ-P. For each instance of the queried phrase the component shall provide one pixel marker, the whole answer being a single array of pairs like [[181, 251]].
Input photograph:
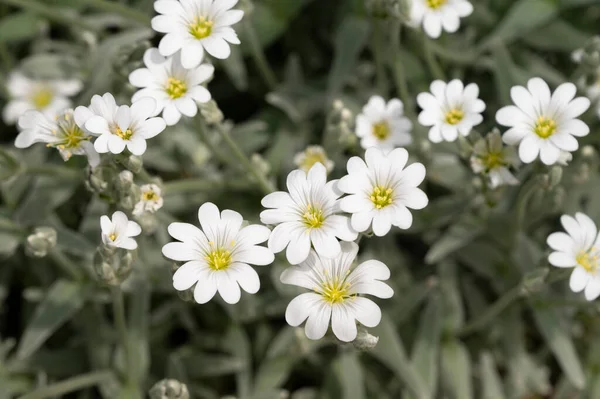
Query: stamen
[[381, 130], [381, 196], [201, 27], [454, 116]]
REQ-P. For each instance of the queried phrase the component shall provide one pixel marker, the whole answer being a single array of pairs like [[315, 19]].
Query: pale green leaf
[[456, 370], [350, 375]]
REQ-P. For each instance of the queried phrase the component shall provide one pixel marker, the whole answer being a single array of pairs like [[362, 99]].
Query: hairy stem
[[432, 63], [399, 75], [120, 321], [259, 56]]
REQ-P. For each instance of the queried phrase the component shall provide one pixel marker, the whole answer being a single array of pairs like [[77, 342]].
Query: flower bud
[[263, 167], [112, 266], [169, 389], [588, 151], [365, 341], [534, 281], [134, 163], [555, 176], [42, 241], [211, 112], [124, 180]]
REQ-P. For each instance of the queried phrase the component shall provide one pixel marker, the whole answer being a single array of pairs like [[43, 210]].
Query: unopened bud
[[125, 180], [365, 341], [211, 112], [534, 281], [555, 176], [263, 167], [114, 267], [588, 151], [134, 163], [42, 241], [169, 389]]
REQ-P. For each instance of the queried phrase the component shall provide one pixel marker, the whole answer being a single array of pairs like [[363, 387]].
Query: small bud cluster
[[40, 242]]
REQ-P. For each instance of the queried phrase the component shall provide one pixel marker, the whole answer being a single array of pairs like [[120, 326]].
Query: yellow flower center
[[125, 135], [588, 260], [219, 258], [454, 116], [68, 135], [335, 290], [175, 88], [149, 196], [201, 27], [313, 217], [435, 4], [113, 236], [544, 127], [42, 98], [493, 160], [381, 130], [381, 196]]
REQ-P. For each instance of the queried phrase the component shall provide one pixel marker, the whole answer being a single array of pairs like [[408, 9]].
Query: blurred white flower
[[175, 89], [437, 14], [543, 123], [193, 26], [217, 256], [120, 126], [382, 190], [493, 159], [309, 213], [578, 248], [50, 97], [383, 125], [450, 109], [336, 288], [311, 155], [60, 132], [118, 231], [151, 199]]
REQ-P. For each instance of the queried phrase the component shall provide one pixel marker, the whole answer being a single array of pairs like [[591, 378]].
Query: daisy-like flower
[[218, 256], [437, 14], [543, 123], [193, 26], [309, 213], [311, 155], [120, 126], [490, 157], [382, 190], [60, 132], [176, 90], [336, 287], [383, 125], [578, 248], [118, 231], [450, 109], [49, 97], [151, 200]]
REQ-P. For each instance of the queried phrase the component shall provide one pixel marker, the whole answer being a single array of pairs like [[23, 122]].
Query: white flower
[[120, 126], [383, 125], [193, 26], [336, 288], [50, 97], [450, 109], [490, 157], [118, 232], [382, 190], [176, 90], [217, 256], [309, 213], [578, 248], [60, 132], [150, 199], [543, 123], [311, 155], [437, 14]]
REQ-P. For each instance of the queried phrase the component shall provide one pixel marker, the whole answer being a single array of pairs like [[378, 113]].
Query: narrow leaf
[[350, 374], [491, 384], [456, 370]]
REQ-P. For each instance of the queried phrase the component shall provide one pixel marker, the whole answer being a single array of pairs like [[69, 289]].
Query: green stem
[[120, 321], [432, 63], [262, 181], [128, 13], [51, 13], [203, 132], [259, 56], [378, 39], [196, 185], [399, 75], [66, 264], [54, 171], [70, 385]]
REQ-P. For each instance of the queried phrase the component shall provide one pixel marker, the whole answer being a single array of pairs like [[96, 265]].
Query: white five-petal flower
[[50, 97], [175, 89], [120, 126], [437, 14], [383, 125], [218, 256], [309, 213], [543, 123], [118, 231], [60, 132], [578, 248], [382, 190], [336, 288], [150, 201], [193, 26], [450, 109]]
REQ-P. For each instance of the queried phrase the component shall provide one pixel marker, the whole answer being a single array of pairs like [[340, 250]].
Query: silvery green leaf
[[491, 382], [456, 370], [45, 196], [272, 373], [350, 374], [457, 236], [18, 27], [237, 343]]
